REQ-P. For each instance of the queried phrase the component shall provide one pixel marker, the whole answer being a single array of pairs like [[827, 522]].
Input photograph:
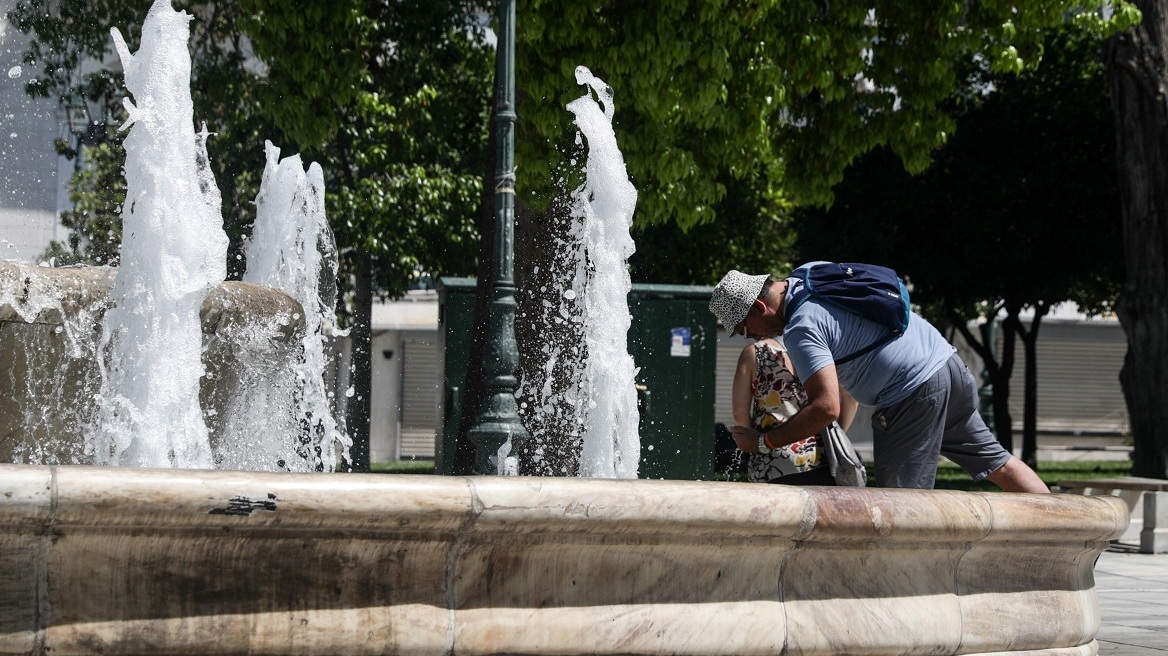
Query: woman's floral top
[[777, 395]]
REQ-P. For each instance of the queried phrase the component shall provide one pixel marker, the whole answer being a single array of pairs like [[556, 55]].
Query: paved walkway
[[1133, 599]]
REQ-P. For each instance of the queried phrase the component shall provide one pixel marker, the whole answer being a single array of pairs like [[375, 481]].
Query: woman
[[766, 391]]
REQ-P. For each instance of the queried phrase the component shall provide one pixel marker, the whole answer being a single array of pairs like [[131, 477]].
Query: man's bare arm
[[823, 407]]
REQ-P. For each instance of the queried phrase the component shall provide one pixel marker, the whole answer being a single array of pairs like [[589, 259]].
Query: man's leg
[[907, 436], [969, 442], [1017, 476]]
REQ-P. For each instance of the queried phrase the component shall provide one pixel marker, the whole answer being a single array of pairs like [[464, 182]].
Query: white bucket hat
[[733, 297]]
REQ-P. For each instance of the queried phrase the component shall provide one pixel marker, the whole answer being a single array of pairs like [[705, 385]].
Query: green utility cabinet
[[673, 340]]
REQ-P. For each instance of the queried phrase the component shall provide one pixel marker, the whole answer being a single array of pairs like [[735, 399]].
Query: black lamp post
[[499, 419]]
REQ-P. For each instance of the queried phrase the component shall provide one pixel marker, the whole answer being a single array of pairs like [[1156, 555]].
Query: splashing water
[[292, 249], [604, 205], [46, 370], [174, 250]]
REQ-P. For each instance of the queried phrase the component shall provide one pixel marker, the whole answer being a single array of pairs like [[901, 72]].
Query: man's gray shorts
[[939, 417]]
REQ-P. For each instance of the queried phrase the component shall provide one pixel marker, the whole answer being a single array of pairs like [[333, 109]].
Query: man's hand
[[746, 438]]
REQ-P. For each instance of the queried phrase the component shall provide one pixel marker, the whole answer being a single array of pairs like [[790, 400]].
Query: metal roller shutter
[[420, 394], [727, 362], [1078, 379]]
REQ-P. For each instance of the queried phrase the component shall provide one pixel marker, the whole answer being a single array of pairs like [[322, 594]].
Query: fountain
[[149, 413], [49, 391], [292, 249], [599, 394], [111, 560], [142, 391], [605, 204]]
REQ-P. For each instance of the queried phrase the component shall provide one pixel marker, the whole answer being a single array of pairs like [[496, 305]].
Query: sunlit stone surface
[[119, 561]]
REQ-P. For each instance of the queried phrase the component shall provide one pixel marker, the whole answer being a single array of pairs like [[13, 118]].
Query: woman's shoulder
[[770, 345], [760, 353], [764, 344], [748, 354]]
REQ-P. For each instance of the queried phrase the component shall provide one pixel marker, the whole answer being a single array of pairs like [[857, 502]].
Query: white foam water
[[604, 205], [291, 248], [174, 250]]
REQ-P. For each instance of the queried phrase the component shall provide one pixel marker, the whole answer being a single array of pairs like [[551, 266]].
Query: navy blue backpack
[[873, 292]]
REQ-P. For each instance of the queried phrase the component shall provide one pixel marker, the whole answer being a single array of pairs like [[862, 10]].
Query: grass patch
[[951, 477]]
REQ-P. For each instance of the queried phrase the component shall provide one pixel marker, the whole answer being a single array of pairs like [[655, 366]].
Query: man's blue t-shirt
[[819, 332]]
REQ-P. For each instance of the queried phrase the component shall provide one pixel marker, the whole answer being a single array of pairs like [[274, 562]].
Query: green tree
[[738, 239], [97, 192], [1016, 213], [406, 164], [782, 95]]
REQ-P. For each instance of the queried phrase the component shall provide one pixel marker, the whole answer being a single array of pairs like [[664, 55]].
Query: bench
[[1146, 497]]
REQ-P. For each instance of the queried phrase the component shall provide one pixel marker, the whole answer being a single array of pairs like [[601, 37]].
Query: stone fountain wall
[[117, 561], [50, 323]]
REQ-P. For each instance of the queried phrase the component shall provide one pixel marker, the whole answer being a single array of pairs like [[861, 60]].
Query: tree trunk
[[1000, 378], [1138, 71], [359, 405], [1030, 385], [999, 372]]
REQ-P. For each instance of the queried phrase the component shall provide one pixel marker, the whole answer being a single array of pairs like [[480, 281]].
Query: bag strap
[[804, 292], [867, 349]]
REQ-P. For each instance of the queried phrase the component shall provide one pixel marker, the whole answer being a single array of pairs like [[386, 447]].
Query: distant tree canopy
[[95, 221], [1020, 209], [1021, 203], [732, 114], [780, 95], [724, 109]]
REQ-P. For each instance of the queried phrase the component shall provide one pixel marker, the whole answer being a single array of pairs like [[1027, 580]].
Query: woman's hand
[[746, 438]]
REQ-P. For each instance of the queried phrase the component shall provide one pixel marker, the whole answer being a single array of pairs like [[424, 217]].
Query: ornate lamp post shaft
[[499, 419]]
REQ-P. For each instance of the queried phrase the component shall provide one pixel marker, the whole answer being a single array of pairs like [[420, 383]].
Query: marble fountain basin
[[110, 561], [50, 320]]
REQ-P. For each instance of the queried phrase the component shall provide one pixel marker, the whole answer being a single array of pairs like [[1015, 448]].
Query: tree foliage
[[738, 239], [410, 153], [397, 114], [780, 95], [1018, 212], [97, 191]]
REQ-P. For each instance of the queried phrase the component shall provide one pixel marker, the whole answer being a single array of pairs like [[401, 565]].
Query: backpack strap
[[800, 295], [868, 349]]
